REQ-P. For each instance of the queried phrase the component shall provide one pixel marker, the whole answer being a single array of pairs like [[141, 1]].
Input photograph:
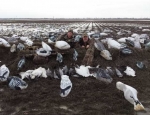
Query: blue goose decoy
[[52, 38], [101, 74], [141, 64], [119, 74], [130, 42], [110, 71], [72, 73], [77, 38], [21, 63], [103, 52], [56, 74], [126, 51], [4, 73], [147, 46], [42, 52], [96, 36], [20, 47], [75, 55], [65, 70], [16, 83], [59, 58], [2, 77], [49, 73]]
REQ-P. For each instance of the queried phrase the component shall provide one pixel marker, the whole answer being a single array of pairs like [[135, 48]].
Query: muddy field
[[88, 95]]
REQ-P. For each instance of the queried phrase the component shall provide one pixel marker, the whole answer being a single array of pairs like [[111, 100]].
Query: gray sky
[[75, 8]]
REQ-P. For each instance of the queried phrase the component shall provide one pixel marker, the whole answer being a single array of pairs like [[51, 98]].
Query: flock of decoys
[[102, 39]]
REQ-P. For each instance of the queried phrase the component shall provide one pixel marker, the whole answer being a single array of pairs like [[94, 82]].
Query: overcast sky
[[75, 8]]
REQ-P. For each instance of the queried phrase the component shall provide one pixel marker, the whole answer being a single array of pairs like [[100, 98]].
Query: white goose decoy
[[113, 44], [24, 38], [46, 47], [137, 43], [130, 95], [129, 71], [13, 48], [39, 72], [28, 42], [122, 40], [36, 73], [103, 34], [26, 74], [50, 41], [145, 30], [43, 72], [134, 35], [4, 42], [83, 71], [106, 54], [62, 45]]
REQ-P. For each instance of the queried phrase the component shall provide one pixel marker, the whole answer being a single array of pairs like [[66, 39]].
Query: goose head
[[120, 85]]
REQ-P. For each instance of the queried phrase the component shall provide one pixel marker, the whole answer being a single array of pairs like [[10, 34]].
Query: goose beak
[[139, 107]]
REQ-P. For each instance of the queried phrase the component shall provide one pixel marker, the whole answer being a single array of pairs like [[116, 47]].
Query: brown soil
[[88, 96]]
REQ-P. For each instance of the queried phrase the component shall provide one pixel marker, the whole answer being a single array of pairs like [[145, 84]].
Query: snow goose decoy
[[103, 52], [75, 55], [20, 47], [39, 72], [113, 44], [119, 74], [62, 45], [46, 47], [28, 42], [16, 83], [42, 52], [49, 73], [4, 42], [126, 51], [24, 38], [13, 48], [83, 71], [101, 74], [130, 95], [142, 64], [26, 74], [45, 51], [4, 73], [21, 63], [65, 84], [129, 71], [59, 58]]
